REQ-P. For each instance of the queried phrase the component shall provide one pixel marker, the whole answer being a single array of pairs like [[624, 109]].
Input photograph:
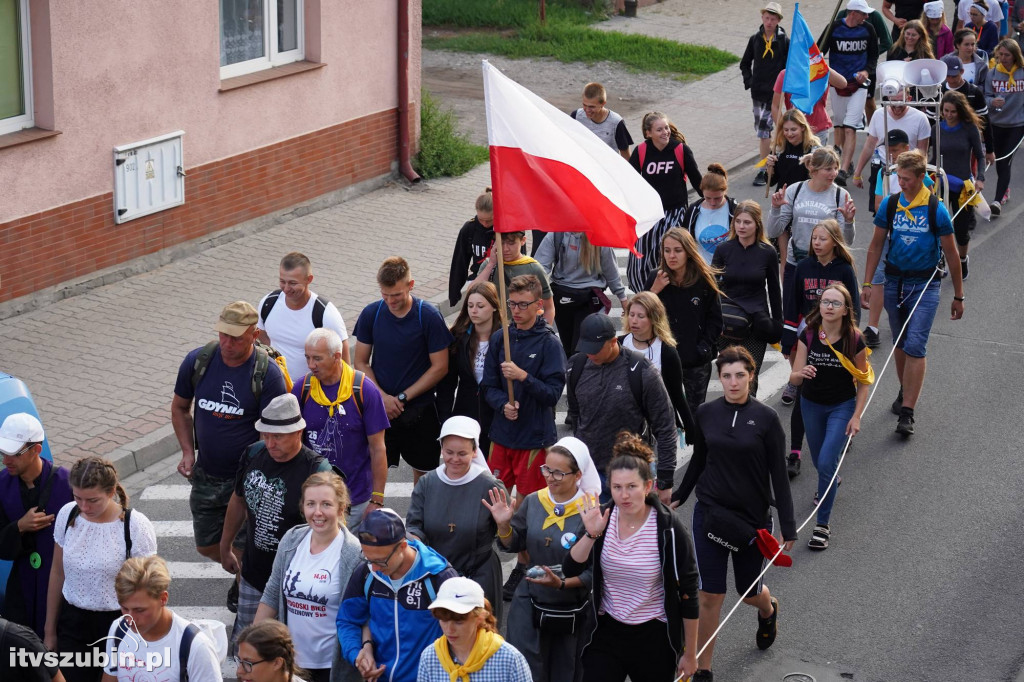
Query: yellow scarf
[[522, 260], [1009, 75], [920, 200], [316, 391], [866, 377], [768, 46], [486, 645], [967, 192], [553, 519]]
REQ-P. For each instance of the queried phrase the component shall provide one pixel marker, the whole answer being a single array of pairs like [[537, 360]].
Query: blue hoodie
[[400, 623], [539, 353]]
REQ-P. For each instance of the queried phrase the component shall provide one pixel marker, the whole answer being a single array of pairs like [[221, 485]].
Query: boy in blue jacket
[[397, 570], [523, 429]]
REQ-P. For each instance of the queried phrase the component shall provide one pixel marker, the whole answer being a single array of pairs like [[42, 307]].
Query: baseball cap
[[597, 328], [954, 67], [17, 430], [769, 545], [775, 8], [236, 318], [381, 528], [459, 595], [858, 6], [897, 136]]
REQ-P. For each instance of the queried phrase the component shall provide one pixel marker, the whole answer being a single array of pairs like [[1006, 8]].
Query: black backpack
[[636, 380], [184, 648], [319, 306]]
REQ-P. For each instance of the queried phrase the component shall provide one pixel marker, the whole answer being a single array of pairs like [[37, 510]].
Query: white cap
[[858, 6], [933, 10], [459, 595], [19, 429]]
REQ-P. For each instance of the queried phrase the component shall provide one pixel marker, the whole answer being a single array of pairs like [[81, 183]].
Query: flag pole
[[503, 307], [768, 180], [828, 29]]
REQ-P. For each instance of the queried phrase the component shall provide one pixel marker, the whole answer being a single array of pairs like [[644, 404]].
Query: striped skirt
[[639, 269]]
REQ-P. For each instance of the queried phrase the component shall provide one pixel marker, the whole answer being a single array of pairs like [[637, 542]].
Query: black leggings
[[757, 350], [796, 424], [1004, 139], [568, 318]]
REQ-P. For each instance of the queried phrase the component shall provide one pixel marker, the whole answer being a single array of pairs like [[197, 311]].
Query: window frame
[[20, 122], [272, 56]]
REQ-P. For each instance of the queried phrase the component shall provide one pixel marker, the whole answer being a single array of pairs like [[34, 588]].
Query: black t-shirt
[[19, 640], [907, 9], [271, 491], [662, 170], [832, 384], [788, 169]]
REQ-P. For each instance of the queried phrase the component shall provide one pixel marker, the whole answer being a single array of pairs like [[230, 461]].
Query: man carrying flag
[[853, 45], [764, 58]]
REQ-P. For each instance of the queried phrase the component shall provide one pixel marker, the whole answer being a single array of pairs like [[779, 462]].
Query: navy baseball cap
[[954, 67], [897, 136], [597, 328], [381, 528]]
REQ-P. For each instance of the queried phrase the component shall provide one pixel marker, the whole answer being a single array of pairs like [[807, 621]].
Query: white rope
[[835, 475]]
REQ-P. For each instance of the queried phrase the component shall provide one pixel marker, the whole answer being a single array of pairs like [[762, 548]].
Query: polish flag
[[551, 173]]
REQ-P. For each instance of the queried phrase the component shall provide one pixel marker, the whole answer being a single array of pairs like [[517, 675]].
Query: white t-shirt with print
[[312, 594], [913, 122], [93, 554], [129, 663], [289, 328]]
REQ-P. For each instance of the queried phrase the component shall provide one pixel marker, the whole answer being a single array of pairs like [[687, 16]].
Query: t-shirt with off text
[[402, 345], [271, 491], [136, 660], [341, 439], [225, 410], [312, 594]]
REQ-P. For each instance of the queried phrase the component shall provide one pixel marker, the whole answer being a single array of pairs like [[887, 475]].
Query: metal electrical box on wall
[[149, 176]]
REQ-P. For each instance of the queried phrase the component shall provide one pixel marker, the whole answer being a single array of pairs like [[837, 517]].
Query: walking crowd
[[288, 425]]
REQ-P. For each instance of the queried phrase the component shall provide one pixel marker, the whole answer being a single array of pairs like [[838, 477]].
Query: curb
[[143, 452]]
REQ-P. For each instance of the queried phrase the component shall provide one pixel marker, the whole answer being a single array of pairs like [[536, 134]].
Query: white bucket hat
[[282, 415]]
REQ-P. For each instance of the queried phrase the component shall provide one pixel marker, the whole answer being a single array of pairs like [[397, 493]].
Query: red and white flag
[[551, 173]]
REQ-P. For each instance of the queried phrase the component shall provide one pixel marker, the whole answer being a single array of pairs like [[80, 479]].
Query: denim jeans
[[825, 426], [899, 301]]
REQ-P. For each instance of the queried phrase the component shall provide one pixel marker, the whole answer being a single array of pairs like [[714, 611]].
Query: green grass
[[566, 36], [502, 13], [444, 151]]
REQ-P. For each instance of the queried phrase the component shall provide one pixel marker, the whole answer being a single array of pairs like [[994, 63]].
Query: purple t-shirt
[[342, 439]]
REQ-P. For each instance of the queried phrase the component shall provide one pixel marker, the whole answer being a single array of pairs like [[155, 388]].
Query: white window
[[259, 34], [15, 67]]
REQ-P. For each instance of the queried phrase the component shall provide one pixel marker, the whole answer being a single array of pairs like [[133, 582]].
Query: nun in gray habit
[[548, 613], [446, 511]]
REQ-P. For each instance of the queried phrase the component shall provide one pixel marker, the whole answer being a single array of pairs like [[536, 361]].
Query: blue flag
[[806, 71]]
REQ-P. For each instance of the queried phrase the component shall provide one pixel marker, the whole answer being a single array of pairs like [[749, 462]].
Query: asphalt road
[[921, 579]]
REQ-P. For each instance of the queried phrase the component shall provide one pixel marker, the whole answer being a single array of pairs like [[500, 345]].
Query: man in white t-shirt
[[286, 320], [908, 119], [150, 641]]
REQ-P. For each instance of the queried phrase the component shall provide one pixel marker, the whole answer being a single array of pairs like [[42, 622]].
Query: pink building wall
[[124, 70]]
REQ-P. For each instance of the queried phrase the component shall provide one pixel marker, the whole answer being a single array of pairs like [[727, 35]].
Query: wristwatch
[[664, 485], [402, 398]]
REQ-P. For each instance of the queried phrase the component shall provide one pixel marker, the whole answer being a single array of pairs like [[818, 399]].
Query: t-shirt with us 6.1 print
[[271, 491]]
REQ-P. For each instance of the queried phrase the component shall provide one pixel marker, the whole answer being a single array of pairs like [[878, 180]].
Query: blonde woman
[[749, 281], [650, 335], [912, 43], [579, 274]]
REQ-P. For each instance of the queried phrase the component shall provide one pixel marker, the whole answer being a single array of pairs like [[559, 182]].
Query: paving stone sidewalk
[[101, 365]]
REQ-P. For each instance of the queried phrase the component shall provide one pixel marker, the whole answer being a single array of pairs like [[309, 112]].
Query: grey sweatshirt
[[810, 209], [1012, 112], [606, 406], [567, 270]]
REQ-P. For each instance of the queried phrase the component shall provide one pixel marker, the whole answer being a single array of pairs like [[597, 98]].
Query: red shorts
[[520, 468]]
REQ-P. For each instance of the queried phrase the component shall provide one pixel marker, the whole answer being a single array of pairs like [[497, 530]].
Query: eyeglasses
[[378, 562], [28, 446], [522, 305], [555, 474], [247, 665], [834, 305]]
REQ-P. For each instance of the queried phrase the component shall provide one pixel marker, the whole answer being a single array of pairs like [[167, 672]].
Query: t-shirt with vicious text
[[271, 491], [312, 593], [342, 439], [289, 328], [225, 409], [137, 660], [612, 130], [832, 383], [402, 345], [711, 229]]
